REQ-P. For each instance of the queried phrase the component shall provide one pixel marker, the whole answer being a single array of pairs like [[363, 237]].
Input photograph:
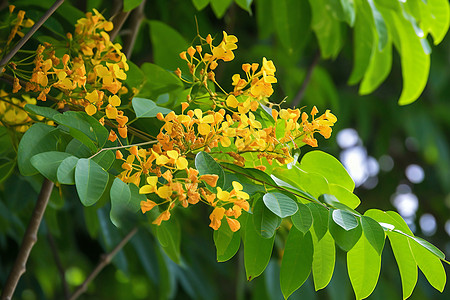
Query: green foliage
[[91, 181], [146, 108]]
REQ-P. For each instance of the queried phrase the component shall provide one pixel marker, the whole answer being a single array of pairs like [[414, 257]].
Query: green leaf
[[200, 4], [265, 222], [323, 260], [405, 260], [344, 196], [280, 204], [90, 181], [135, 77], [105, 159], [47, 163], [146, 108], [78, 149], [167, 44], [373, 232], [297, 261], [345, 239], [439, 19], [245, 4], [257, 250], [292, 20], [219, 7], [364, 264], [37, 139], [6, 169], [430, 265], [344, 219], [130, 4], [66, 170], [206, 164], [169, 236], [159, 81], [320, 219], [329, 167], [303, 218], [380, 26], [44, 111], [121, 203], [85, 128], [227, 242]]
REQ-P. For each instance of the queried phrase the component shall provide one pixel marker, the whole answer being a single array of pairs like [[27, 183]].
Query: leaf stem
[[104, 261], [122, 147], [29, 240]]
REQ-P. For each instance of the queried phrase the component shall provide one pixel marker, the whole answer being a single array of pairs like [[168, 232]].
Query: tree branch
[[301, 92], [29, 240], [29, 34], [136, 20], [104, 261]]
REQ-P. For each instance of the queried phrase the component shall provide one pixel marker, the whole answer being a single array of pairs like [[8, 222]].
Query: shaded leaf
[[120, 202], [227, 242], [146, 108], [265, 221], [66, 170], [373, 232], [90, 180], [320, 219], [206, 164], [280, 204], [303, 218], [345, 239], [47, 163]]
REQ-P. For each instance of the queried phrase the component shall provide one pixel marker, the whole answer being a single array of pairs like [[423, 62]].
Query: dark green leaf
[[121, 203], [6, 169], [297, 261], [345, 239], [320, 219], [105, 159], [220, 7], [245, 4], [374, 233], [146, 108], [200, 4], [44, 111], [280, 204], [90, 180], [130, 4], [265, 222], [169, 236], [206, 164], [47, 163], [303, 218]]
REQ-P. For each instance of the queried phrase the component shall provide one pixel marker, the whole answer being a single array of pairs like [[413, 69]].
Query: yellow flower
[[147, 206], [216, 217]]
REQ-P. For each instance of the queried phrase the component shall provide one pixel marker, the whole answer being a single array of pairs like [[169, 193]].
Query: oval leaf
[[66, 170], [320, 219], [280, 204], [345, 239], [146, 108], [302, 219], [373, 232], [91, 181], [324, 259], [206, 164], [120, 202], [47, 163], [265, 222], [344, 219], [227, 242]]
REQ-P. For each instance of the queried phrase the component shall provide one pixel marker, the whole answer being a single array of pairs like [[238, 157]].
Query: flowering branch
[[122, 147], [104, 261], [29, 240], [29, 34]]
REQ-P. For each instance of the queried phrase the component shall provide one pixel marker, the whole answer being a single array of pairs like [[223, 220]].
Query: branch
[[29, 240], [104, 261], [305, 83], [122, 147], [118, 21], [58, 263], [136, 21], [29, 34]]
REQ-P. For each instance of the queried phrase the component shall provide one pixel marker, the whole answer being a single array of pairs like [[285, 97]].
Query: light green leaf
[[344, 196], [344, 219], [292, 20], [265, 221], [130, 4], [37, 139], [297, 261], [439, 19], [105, 159], [280, 204], [206, 164], [158, 81], [121, 203], [378, 68], [329, 167], [323, 260], [380, 26], [146, 108], [364, 264], [66, 170], [245, 4], [219, 7], [303, 218], [47, 163], [200, 4], [90, 180], [257, 250], [227, 242], [373, 232], [320, 219]]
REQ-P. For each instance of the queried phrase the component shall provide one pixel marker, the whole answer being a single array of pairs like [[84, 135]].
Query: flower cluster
[[16, 23], [90, 77], [12, 113]]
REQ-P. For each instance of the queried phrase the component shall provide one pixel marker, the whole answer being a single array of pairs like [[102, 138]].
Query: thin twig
[[104, 261], [136, 20], [118, 21], [122, 147], [301, 92], [29, 34], [62, 273], [29, 240]]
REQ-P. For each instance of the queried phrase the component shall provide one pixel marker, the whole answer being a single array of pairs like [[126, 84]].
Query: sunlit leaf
[[280, 204], [323, 260]]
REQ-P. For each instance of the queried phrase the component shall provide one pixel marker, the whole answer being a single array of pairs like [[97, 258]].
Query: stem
[[29, 34], [122, 147], [104, 261], [28, 241], [136, 20], [305, 83], [118, 22]]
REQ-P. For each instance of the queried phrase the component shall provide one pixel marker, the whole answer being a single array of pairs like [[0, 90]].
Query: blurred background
[[398, 156]]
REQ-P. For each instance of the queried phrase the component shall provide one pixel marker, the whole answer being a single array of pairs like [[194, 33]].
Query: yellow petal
[[172, 154], [90, 109], [152, 180], [164, 192], [182, 163], [162, 160], [204, 129], [114, 100], [232, 101], [146, 189]]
